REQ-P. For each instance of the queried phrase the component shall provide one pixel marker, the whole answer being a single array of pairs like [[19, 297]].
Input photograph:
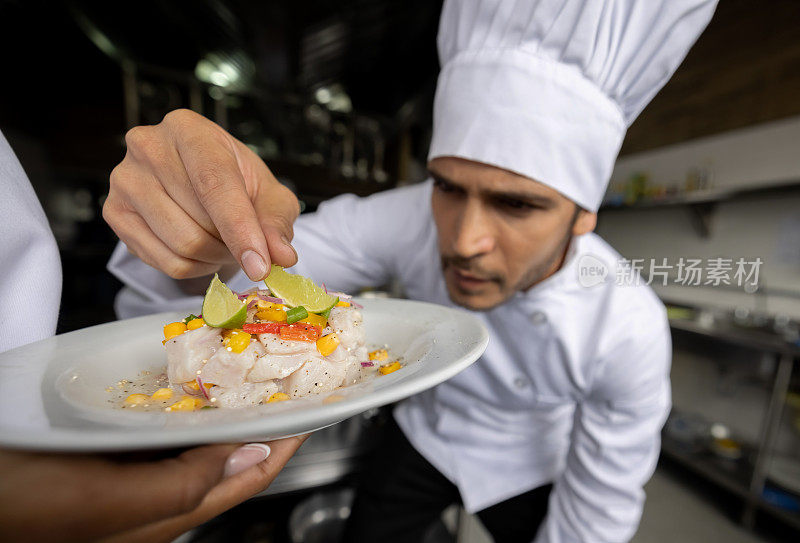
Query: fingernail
[[254, 265], [245, 457]]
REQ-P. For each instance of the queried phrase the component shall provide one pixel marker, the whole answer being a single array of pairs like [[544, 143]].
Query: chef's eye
[[515, 205], [443, 186]]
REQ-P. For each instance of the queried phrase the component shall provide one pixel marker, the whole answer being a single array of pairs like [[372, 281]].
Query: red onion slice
[[367, 364], [270, 299], [202, 388]]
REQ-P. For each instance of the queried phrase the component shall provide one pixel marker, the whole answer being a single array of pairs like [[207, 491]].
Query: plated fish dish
[[291, 340]]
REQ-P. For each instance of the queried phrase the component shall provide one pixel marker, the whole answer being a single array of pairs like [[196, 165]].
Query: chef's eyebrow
[[526, 197]]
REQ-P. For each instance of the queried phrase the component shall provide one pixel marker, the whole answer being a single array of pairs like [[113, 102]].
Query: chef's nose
[[474, 235]]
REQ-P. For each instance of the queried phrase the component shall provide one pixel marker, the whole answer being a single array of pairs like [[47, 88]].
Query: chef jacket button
[[520, 382], [538, 318]]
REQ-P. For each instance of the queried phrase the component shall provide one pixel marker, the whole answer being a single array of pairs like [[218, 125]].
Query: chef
[[554, 431]]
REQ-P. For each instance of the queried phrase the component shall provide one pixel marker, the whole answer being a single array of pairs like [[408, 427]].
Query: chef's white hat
[[547, 89]]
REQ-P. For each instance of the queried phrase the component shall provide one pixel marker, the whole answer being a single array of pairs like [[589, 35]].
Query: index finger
[[219, 186]]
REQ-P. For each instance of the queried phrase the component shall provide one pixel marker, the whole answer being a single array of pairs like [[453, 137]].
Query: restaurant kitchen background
[[336, 97]]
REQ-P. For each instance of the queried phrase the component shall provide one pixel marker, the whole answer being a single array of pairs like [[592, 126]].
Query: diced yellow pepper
[[194, 386], [250, 298], [327, 344], [342, 304], [137, 399], [186, 403], [271, 314], [278, 397], [173, 329], [389, 368], [162, 394], [380, 354], [315, 320], [194, 324], [239, 342], [263, 304]]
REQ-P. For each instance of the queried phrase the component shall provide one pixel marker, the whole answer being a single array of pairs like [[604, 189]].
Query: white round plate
[[53, 393]]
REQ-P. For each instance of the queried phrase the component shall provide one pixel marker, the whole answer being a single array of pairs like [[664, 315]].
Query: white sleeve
[[30, 267], [348, 243], [615, 442], [351, 242]]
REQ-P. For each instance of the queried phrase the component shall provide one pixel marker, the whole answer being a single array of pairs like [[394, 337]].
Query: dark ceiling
[[382, 52]]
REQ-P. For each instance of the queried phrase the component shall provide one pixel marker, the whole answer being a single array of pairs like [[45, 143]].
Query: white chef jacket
[[573, 388], [30, 268]]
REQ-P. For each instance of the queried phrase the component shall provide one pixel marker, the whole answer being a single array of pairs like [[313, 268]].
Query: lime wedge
[[298, 290], [221, 307]]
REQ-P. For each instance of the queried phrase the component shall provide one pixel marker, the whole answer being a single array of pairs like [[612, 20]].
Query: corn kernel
[[380, 354], [278, 397], [342, 304], [173, 329], [186, 403], [316, 320], [389, 368], [137, 399], [194, 324], [239, 342], [162, 394], [327, 344], [271, 314]]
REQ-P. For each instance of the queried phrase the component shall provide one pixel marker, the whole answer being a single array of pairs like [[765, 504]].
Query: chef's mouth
[[467, 280], [464, 274]]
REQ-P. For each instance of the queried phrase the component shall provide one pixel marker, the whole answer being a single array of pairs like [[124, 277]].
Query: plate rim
[[98, 439]]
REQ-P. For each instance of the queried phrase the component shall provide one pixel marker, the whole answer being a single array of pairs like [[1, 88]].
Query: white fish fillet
[[245, 394], [347, 324], [187, 352], [278, 366], [315, 377], [273, 344], [270, 364], [228, 369]]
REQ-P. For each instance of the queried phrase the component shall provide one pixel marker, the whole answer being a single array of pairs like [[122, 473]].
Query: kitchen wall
[[765, 225]]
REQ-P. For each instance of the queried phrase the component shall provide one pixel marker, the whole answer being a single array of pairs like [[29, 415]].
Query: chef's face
[[499, 232]]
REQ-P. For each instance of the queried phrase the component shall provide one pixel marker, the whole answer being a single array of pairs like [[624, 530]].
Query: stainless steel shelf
[[788, 517], [734, 480], [749, 486], [704, 465], [753, 338]]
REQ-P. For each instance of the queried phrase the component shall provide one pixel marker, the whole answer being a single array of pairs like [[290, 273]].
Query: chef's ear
[[584, 222]]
